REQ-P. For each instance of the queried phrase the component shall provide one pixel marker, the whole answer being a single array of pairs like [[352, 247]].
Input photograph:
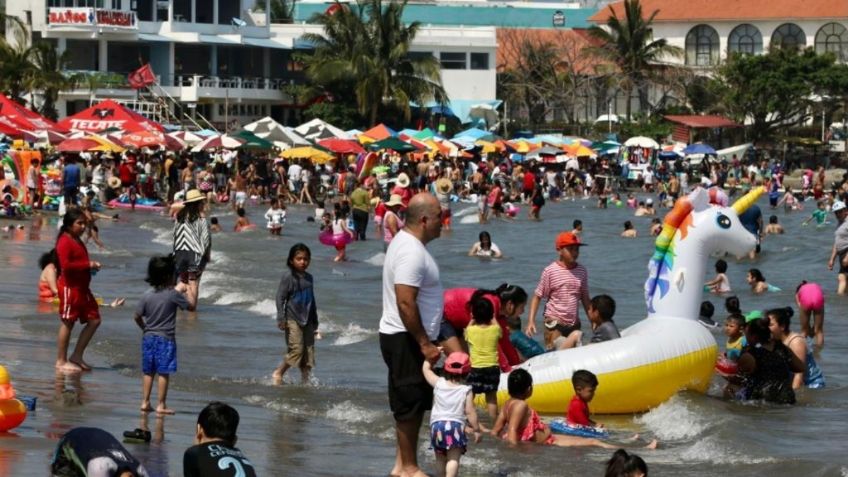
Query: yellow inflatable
[[12, 411], [669, 351]]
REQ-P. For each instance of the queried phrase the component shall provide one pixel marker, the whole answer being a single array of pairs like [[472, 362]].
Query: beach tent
[[380, 132], [263, 127], [20, 117], [224, 141], [425, 133], [90, 143], [475, 134], [187, 137], [699, 148], [252, 141], [316, 155], [393, 144], [109, 115], [341, 146], [285, 137], [317, 129]]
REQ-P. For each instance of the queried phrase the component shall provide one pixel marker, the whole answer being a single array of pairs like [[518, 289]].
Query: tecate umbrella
[[641, 141], [699, 148], [44, 136], [77, 145], [143, 139], [187, 137], [219, 141]]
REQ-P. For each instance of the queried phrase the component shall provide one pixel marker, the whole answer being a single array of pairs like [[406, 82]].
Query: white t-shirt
[[409, 263], [449, 401], [294, 172]]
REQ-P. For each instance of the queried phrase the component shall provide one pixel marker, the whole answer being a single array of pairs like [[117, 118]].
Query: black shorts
[[189, 265], [484, 380], [840, 257], [566, 330], [409, 393], [446, 331]]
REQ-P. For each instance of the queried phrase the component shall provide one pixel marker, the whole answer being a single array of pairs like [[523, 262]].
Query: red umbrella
[[77, 145], [341, 146], [144, 139], [46, 135], [8, 128]]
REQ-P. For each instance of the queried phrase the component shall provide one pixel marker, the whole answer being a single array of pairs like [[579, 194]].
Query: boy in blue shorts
[[156, 315]]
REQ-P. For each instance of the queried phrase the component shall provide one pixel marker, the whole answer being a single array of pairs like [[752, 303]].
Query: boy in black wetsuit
[[215, 454], [93, 452]]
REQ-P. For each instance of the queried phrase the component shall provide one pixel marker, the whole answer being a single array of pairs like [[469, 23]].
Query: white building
[[217, 56], [706, 30]]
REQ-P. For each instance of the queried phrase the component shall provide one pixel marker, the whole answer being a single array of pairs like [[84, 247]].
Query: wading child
[[600, 313], [819, 215], [482, 335], [518, 422], [453, 405], [156, 315], [214, 226], [276, 217], [734, 328], [719, 284], [774, 227], [297, 314], [242, 222]]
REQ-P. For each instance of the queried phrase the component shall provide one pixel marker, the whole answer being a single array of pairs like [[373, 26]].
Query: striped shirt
[[192, 236], [563, 290]]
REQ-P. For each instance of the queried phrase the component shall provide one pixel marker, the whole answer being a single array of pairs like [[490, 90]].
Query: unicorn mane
[[662, 260]]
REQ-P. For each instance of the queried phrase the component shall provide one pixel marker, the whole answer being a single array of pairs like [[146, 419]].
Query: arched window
[[788, 35], [745, 39], [702, 46], [833, 38]]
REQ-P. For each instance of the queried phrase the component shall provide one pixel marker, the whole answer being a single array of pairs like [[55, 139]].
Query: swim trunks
[[158, 355], [77, 304]]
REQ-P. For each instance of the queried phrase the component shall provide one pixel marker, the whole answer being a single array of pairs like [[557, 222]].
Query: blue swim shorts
[[447, 435], [158, 355]]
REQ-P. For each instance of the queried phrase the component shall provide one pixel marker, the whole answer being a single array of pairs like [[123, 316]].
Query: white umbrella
[[187, 137], [263, 126], [284, 138], [222, 140], [641, 141], [318, 129], [485, 112]]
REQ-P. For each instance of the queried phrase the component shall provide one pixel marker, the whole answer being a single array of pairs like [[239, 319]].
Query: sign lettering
[[90, 17]]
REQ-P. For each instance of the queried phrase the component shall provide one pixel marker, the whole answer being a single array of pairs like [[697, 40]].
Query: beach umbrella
[[284, 138], [341, 146], [475, 134], [263, 126], [77, 145], [425, 133], [252, 141], [316, 155], [699, 148], [641, 141], [393, 144], [219, 141], [187, 137], [143, 139], [487, 147], [523, 147], [317, 129], [548, 151], [579, 150], [484, 111], [380, 132], [45, 136]]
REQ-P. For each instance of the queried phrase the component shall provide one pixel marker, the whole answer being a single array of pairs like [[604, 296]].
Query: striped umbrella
[[224, 141]]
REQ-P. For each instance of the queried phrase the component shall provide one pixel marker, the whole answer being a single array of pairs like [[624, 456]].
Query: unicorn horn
[[748, 200]]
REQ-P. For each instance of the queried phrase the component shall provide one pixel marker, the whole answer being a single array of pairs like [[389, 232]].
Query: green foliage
[[50, 78], [628, 44], [653, 127], [367, 47], [339, 114], [778, 89]]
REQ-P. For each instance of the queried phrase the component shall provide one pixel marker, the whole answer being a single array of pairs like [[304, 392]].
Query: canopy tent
[[187, 137], [90, 143], [224, 141], [23, 118], [425, 133], [145, 139], [263, 127], [461, 108], [393, 144], [8, 128], [699, 148], [380, 132], [107, 115], [44, 136], [475, 134], [317, 129], [285, 137]]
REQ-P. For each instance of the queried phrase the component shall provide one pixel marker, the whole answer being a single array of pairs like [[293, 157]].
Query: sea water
[[340, 423]]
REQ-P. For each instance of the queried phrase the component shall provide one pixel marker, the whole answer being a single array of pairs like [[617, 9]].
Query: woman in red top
[[508, 302], [75, 299]]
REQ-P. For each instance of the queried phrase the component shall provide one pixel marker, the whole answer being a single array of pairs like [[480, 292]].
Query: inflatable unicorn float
[[670, 350]]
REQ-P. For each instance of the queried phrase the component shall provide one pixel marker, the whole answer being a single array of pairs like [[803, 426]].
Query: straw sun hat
[[193, 195], [444, 185], [395, 199], [403, 180], [114, 182]]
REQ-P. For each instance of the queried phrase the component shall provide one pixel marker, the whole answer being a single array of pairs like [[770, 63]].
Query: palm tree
[[368, 47], [628, 43], [49, 76], [15, 65]]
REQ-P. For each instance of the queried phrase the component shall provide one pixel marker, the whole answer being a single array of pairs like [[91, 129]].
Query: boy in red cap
[[564, 285], [453, 404]]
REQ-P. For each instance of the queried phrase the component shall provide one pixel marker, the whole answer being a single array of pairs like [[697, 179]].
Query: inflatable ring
[[726, 367], [560, 426], [12, 413], [330, 239], [668, 351], [245, 228]]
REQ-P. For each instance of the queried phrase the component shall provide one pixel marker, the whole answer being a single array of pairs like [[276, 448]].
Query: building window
[[833, 38], [702, 46], [116, 4], [452, 60], [788, 35], [479, 61], [745, 39], [418, 55]]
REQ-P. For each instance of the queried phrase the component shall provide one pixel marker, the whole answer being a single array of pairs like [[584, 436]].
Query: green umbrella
[[392, 143], [253, 141], [426, 133]]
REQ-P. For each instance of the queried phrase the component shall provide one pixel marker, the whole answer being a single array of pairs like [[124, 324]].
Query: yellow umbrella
[[523, 147], [105, 144], [488, 147], [363, 139], [309, 152], [583, 151]]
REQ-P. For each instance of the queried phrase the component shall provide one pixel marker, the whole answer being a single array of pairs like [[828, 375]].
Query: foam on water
[[674, 420], [231, 298], [266, 307], [163, 237], [351, 334], [464, 212], [470, 219], [208, 291], [716, 452], [376, 260], [350, 413], [219, 258]]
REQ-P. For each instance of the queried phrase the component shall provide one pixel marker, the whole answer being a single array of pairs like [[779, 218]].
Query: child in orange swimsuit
[[518, 422]]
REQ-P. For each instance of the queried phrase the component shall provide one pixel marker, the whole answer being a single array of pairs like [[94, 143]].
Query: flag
[[141, 77]]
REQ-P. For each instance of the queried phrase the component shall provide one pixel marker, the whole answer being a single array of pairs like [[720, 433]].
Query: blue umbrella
[[699, 148]]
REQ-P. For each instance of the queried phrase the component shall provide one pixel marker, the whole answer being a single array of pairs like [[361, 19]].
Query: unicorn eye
[[723, 221]]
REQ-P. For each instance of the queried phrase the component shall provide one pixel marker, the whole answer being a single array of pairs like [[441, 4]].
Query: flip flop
[[137, 436]]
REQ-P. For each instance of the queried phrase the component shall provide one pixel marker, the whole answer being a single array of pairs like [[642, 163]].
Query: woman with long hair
[[76, 302], [192, 241]]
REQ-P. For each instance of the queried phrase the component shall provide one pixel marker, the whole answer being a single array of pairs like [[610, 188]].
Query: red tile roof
[[703, 121], [569, 42], [732, 10]]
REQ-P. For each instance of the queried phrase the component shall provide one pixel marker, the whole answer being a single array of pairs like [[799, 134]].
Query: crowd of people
[[478, 331]]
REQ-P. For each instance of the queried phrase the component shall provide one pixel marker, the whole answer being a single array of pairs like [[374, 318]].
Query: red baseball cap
[[565, 239], [458, 363]]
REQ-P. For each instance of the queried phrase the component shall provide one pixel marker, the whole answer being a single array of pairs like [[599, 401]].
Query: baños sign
[[90, 17]]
